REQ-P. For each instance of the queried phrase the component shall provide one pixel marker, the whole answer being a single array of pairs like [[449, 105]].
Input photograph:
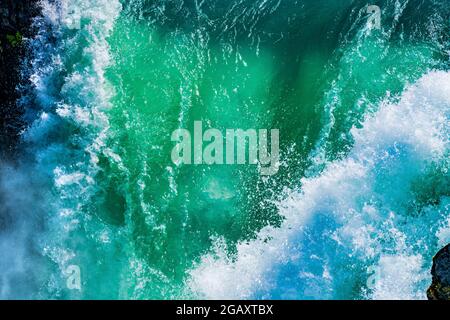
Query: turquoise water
[[356, 211]]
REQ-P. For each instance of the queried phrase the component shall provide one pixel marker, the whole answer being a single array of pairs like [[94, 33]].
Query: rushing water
[[356, 211]]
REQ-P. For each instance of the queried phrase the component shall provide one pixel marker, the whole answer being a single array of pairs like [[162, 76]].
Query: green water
[[169, 72], [107, 97]]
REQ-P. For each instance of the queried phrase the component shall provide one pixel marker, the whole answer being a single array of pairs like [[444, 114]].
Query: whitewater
[[357, 210], [356, 207]]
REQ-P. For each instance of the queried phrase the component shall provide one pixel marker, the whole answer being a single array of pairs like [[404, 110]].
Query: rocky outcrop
[[440, 287], [15, 26]]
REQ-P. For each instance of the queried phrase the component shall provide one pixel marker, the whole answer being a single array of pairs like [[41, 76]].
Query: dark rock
[[15, 25], [440, 287]]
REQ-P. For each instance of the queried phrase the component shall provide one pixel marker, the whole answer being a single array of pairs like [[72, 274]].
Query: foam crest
[[67, 126], [351, 217]]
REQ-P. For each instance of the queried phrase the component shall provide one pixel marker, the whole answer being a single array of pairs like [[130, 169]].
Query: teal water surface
[[359, 204]]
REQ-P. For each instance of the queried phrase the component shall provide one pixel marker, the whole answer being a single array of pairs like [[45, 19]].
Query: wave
[[64, 109], [89, 191], [351, 232]]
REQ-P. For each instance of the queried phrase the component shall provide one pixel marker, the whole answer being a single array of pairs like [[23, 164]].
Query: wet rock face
[[15, 25], [440, 287]]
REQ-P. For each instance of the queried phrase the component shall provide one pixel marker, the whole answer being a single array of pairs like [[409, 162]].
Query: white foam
[[443, 233], [398, 276], [67, 124], [351, 216]]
